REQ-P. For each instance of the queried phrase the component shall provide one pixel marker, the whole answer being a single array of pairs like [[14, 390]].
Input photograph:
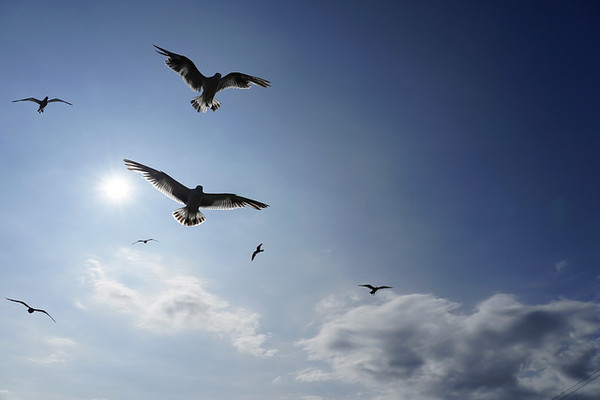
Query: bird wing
[[228, 201], [161, 181], [241, 81], [184, 67], [254, 255], [44, 311], [18, 301], [258, 247], [29, 99], [56, 99], [137, 241], [369, 286], [384, 287]]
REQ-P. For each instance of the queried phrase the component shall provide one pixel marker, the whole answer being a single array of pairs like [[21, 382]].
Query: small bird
[[211, 86], [258, 250], [375, 288], [30, 310], [193, 199], [42, 103], [145, 241]]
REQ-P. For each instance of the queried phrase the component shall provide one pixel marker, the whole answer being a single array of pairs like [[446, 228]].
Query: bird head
[[199, 187], [218, 75], [45, 98]]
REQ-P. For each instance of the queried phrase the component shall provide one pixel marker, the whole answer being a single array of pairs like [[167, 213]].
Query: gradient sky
[[447, 149]]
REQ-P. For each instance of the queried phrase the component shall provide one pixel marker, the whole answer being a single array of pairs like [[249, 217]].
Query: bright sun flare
[[116, 189]]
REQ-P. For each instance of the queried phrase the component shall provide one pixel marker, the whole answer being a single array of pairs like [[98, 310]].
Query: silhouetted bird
[[145, 241], [375, 288], [192, 198], [30, 310], [42, 103], [211, 86], [258, 250]]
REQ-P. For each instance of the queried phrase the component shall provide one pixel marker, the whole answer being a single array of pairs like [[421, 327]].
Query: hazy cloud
[[163, 301], [423, 347]]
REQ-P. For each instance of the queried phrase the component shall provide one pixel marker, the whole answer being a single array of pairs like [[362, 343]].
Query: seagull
[[42, 103], [375, 288], [145, 241], [196, 81], [192, 198], [258, 250], [30, 310]]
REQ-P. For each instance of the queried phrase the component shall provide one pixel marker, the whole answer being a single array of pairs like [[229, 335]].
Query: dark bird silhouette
[[42, 103], [211, 86], [30, 310], [145, 241], [193, 199], [375, 288], [258, 250]]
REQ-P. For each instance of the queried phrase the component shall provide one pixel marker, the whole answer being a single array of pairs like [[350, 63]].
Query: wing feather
[[184, 67], [161, 181], [241, 81], [29, 99], [62, 101], [228, 201]]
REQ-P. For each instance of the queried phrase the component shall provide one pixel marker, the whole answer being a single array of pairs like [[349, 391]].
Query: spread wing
[[29, 99], [161, 181], [384, 287], [184, 67], [44, 311], [228, 201], [62, 101], [241, 81], [18, 301], [369, 286]]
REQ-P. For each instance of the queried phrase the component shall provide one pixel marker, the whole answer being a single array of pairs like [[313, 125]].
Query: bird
[[42, 103], [30, 310], [210, 85], [375, 288], [193, 199], [145, 241], [258, 250]]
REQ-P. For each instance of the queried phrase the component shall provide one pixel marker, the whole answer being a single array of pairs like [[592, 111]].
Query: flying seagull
[[30, 310], [42, 103], [192, 198], [145, 241], [258, 250], [211, 86], [375, 288]]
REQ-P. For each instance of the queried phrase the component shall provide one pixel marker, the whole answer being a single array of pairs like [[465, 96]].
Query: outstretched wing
[[241, 81], [44, 311], [56, 99], [18, 301], [368, 286], [29, 99], [184, 67], [228, 201], [384, 287], [161, 181]]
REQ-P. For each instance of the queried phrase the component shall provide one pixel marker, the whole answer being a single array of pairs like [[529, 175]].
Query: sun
[[116, 189]]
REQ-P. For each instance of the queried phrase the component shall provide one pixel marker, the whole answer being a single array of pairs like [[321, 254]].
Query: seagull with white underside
[[258, 250], [193, 199], [375, 288], [43, 103], [210, 86], [31, 310]]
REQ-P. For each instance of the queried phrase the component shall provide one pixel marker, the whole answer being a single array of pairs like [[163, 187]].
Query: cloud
[[561, 265], [60, 349], [164, 302], [421, 347]]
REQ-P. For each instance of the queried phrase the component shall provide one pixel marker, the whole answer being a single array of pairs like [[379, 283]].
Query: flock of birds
[[192, 199]]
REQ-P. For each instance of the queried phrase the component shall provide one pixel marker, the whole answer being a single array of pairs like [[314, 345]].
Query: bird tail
[[201, 105], [188, 218]]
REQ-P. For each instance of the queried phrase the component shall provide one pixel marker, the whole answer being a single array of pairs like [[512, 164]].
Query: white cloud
[[165, 302], [59, 351], [561, 265], [424, 347]]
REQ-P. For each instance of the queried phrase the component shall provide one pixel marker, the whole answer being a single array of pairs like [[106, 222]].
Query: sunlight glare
[[116, 189]]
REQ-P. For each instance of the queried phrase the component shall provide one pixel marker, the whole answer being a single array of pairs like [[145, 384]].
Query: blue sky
[[447, 149]]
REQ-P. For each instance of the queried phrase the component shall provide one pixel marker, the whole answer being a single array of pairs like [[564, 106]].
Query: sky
[[449, 150]]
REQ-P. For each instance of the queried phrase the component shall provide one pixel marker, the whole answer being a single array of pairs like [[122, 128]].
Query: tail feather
[[187, 218], [201, 105]]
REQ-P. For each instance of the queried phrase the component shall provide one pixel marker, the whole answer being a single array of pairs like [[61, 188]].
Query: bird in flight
[[145, 241], [42, 103], [210, 86], [30, 310], [193, 199], [375, 288], [258, 250]]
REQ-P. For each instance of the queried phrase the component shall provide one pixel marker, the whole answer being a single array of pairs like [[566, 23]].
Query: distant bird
[[375, 288], [145, 241], [30, 310], [42, 103], [211, 86], [192, 198], [258, 250]]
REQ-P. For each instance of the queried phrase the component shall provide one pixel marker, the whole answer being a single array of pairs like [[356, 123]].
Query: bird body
[[193, 199], [375, 288], [258, 250], [31, 310], [42, 103], [209, 86]]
